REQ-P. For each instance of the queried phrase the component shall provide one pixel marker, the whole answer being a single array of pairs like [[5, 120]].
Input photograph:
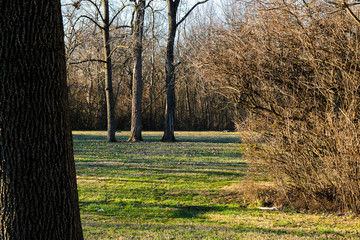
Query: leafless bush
[[295, 67]]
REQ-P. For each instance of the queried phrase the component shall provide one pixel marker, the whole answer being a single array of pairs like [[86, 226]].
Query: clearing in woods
[[182, 190]]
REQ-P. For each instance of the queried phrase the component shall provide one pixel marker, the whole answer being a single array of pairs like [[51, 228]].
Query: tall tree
[[110, 101], [38, 192], [137, 87], [102, 10], [173, 6]]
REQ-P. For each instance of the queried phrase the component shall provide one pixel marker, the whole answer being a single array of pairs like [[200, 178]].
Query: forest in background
[[285, 73], [198, 106]]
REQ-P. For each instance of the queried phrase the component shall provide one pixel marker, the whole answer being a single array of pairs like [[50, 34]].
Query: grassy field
[[182, 190]]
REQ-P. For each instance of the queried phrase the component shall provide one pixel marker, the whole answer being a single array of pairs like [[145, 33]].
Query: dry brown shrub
[[295, 67], [254, 193]]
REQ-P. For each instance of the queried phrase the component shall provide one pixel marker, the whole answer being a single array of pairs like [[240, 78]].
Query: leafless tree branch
[[191, 9], [88, 60]]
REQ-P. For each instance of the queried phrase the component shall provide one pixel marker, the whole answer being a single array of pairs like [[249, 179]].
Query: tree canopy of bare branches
[[294, 66]]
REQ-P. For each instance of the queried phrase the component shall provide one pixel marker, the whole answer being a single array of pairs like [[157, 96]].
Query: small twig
[[88, 60]]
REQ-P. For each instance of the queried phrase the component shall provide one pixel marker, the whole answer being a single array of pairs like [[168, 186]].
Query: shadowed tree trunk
[[173, 6], [38, 192], [170, 76], [137, 89], [110, 100]]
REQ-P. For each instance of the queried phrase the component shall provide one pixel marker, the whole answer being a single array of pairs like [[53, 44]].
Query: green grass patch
[[182, 190]]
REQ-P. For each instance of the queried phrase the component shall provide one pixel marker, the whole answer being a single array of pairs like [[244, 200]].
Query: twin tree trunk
[[110, 100], [137, 89], [38, 192]]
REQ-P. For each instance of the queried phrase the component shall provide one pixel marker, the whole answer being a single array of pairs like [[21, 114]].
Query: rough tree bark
[[173, 6], [170, 73], [137, 89], [110, 100], [38, 192]]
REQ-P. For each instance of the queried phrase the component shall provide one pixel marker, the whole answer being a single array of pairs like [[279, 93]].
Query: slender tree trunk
[[151, 92], [110, 100], [152, 116], [38, 192], [137, 88], [190, 114], [170, 76]]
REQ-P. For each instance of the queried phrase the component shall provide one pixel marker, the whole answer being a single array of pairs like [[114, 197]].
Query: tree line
[[150, 70]]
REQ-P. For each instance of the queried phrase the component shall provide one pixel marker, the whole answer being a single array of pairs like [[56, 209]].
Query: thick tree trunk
[[110, 100], [137, 89], [170, 75], [38, 193]]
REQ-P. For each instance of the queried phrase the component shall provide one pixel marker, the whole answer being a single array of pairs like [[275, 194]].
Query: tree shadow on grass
[[194, 213], [81, 137], [143, 210], [215, 171], [155, 138], [198, 231], [209, 139]]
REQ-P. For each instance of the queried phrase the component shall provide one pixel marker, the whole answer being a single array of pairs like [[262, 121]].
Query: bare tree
[[173, 23], [38, 191], [110, 101], [137, 88], [105, 23]]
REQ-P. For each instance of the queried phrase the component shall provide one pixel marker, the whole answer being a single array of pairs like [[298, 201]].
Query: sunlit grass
[[155, 190]]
